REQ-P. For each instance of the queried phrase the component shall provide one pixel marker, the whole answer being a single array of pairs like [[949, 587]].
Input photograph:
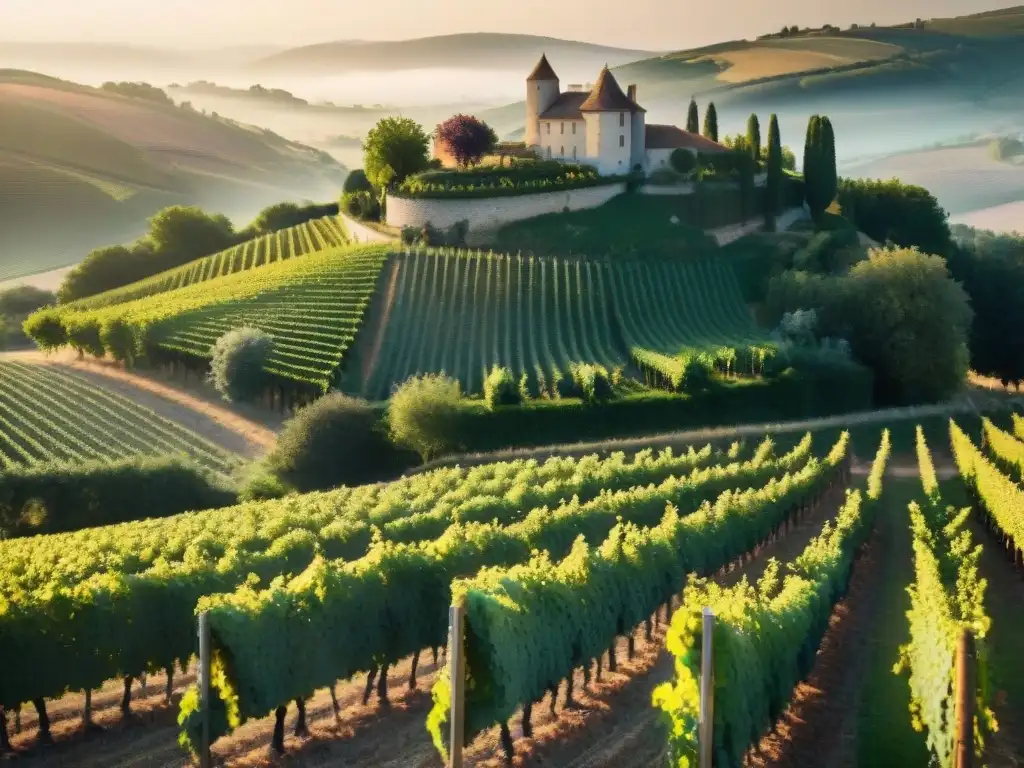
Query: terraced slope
[[308, 237]]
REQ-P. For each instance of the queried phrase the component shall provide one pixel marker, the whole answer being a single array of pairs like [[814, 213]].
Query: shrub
[[237, 368], [284, 215], [54, 497], [500, 388], [593, 383], [356, 181], [683, 161], [361, 205], [337, 440], [466, 138], [84, 335], [890, 211], [424, 415], [46, 329], [22, 300], [118, 339], [696, 375]]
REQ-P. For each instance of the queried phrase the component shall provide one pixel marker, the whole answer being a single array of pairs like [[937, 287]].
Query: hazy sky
[[652, 24]]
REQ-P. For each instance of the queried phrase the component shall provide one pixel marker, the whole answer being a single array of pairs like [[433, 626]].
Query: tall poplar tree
[[754, 139], [773, 166], [711, 122], [693, 117]]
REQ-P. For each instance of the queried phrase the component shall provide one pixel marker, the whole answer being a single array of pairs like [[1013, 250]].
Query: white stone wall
[[491, 212], [561, 138], [360, 233]]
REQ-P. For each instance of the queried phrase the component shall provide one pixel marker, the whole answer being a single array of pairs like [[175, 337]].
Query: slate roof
[[672, 137], [607, 96], [542, 71], [566, 106]]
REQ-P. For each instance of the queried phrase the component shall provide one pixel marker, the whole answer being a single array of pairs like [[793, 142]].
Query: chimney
[[631, 92]]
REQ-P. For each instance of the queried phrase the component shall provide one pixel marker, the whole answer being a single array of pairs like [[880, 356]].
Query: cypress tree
[[754, 139], [773, 183], [693, 118], [829, 176], [812, 167], [711, 122]]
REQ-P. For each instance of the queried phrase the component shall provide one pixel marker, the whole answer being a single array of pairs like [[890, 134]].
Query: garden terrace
[[490, 181]]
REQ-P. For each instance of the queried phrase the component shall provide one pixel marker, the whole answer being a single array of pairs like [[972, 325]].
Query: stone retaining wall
[[488, 213]]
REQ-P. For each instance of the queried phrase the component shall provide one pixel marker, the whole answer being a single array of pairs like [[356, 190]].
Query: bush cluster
[[56, 497], [497, 181]]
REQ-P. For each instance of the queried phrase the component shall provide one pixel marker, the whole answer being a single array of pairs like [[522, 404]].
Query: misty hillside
[[128, 60], [483, 50], [107, 160]]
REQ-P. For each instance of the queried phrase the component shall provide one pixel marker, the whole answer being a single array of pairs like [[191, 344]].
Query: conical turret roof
[[607, 96], [542, 71]]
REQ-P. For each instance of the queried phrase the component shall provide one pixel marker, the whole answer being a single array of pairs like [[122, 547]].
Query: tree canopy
[[754, 138], [902, 313], [773, 169], [467, 138], [395, 148], [891, 211]]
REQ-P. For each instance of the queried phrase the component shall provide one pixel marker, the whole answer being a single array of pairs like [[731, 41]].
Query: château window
[[561, 151], [622, 119], [561, 128], [622, 141], [574, 153], [574, 129], [549, 127]]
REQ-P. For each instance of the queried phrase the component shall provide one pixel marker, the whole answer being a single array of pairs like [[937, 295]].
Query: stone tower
[[541, 92]]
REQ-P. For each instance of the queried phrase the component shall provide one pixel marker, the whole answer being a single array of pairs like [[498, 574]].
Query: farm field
[[850, 710], [309, 237], [465, 313], [52, 415], [312, 307]]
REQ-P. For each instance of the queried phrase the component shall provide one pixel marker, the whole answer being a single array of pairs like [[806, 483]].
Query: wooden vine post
[[705, 733], [457, 665], [965, 693], [204, 688]]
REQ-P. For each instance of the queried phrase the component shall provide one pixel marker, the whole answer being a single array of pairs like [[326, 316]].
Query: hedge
[[512, 189], [791, 396], [58, 497]]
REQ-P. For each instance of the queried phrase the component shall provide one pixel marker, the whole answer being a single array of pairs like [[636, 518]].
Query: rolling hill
[[107, 161], [978, 60], [482, 50]]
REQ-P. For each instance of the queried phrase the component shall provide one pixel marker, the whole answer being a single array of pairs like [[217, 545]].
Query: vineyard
[[466, 313], [48, 415], [308, 237], [311, 306], [579, 560]]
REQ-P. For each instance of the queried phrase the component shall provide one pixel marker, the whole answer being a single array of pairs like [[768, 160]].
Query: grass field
[[48, 415], [625, 226]]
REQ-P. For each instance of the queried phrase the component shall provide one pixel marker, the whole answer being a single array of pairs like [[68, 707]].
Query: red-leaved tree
[[467, 138]]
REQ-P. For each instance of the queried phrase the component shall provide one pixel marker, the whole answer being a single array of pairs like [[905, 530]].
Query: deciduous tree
[[395, 148], [467, 138]]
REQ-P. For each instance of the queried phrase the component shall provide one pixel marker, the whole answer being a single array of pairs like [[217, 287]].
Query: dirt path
[[240, 429]]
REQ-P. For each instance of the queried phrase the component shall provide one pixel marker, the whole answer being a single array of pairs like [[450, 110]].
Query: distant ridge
[[480, 50]]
